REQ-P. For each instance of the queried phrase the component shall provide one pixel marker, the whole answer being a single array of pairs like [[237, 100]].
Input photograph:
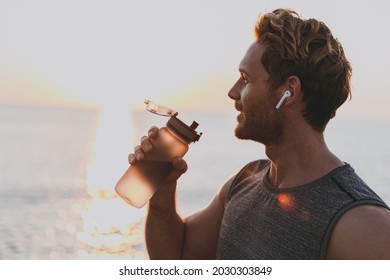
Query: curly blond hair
[[308, 50]]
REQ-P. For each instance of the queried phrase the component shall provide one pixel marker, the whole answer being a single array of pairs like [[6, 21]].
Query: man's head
[[305, 49], [258, 119]]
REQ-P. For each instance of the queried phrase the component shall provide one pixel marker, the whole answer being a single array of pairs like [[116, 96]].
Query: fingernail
[[138, 156], [148, 147]]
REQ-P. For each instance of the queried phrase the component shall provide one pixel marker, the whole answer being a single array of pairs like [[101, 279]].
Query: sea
[[59, 167]]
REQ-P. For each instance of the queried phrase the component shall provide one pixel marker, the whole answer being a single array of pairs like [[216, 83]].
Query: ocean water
[[53, 205]]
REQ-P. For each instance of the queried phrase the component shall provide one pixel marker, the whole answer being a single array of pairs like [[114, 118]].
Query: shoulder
[[252, 168], [202, 228], [242, 177], [363, 232], [218, 204]]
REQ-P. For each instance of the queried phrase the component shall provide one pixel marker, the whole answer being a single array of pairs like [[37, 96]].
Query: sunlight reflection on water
[[110, 228]]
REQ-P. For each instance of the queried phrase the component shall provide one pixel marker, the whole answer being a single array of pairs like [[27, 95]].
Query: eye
[[244, 78]]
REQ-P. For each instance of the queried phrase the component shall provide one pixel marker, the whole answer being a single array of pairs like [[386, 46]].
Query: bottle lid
[[159, 109], [187, 133]]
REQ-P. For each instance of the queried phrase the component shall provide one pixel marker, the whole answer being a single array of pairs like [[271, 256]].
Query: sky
[[184, 54]]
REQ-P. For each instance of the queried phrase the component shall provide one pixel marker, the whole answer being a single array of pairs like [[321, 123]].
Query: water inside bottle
[[154, 171], [142, 180]]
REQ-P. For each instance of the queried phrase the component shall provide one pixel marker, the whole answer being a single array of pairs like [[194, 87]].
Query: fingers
[[153, 132], [144, 147], [138, 155], [139, 152], [179, 168], [131, 158]]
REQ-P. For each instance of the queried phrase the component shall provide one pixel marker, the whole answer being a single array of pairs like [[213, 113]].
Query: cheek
[[252, 99], [249, 96]]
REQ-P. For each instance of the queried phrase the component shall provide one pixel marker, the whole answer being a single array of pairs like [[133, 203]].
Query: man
[[302, 203]]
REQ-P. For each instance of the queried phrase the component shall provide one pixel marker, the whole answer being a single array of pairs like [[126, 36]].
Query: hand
[[146, 146]]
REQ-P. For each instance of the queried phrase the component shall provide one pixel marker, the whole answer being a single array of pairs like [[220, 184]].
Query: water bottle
[[141, 180]]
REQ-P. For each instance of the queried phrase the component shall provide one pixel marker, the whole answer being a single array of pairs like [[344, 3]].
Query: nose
[[234, 92]]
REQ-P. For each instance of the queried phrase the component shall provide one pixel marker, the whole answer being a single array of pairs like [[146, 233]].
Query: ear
[[293, 84]]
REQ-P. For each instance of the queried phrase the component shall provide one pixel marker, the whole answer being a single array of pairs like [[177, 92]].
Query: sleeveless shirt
[[262, 222]]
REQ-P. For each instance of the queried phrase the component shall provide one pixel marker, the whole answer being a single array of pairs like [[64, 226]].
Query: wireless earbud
[[286, 94]]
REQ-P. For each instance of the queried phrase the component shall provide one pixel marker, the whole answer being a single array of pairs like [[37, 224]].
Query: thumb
[[179, 167]]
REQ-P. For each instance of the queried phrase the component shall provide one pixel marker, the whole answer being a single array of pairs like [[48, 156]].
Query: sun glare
[[111, 228], [113, 141]]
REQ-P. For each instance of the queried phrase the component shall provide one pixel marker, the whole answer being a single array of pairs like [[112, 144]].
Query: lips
[[240, 109], [239, 118], [238, 106]]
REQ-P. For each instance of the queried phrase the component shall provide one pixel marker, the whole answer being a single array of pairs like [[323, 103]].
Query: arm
[[168, 235], [164, 229], [361, 233], [202, 228]]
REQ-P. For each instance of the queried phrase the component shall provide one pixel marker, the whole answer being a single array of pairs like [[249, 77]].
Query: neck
[[300, 160]]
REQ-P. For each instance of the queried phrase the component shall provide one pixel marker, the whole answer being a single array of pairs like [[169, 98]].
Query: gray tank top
[[262, 222]]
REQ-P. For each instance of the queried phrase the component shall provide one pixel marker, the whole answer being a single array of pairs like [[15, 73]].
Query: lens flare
[[286, 202]]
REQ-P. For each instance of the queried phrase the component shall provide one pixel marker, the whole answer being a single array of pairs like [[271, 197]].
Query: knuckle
[[137, 148], [153, 131], [131, 158], [146, 145]]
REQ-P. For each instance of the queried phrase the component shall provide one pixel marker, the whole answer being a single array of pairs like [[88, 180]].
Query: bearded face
[[259, 121]]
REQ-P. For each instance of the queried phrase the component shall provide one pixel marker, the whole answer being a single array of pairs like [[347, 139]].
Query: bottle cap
[[187, 133], [159, 109]]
